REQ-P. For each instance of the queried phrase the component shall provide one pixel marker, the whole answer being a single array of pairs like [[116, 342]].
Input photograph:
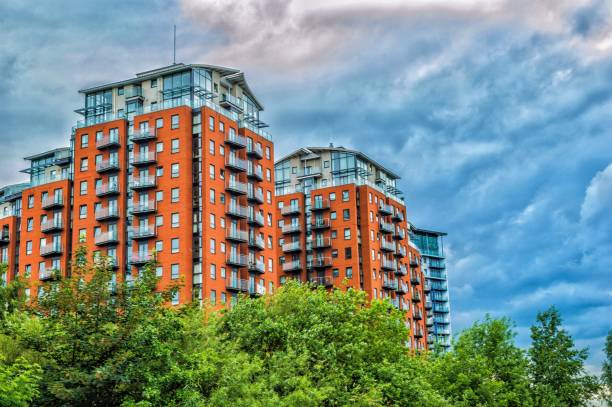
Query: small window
[[84, 164], [174, 173], [159, 171], [174, 146], [346, 214], [175, 298], [213, 297], [159, 147], [211, 123], [335, 273], [30, 201], [334, 254], [347, 234], [30, 224], [349, 272], [83, 188], [82, 235], [345, 196], [211, 147], [159, 271], [212, 221], [348, 253], [83, 212], [333, 215], [159, 123], [221, 127], [294, 170], [159, 196], [174, 245], [159, 220], [120, 91], [175, 121], [332, 196], [174, 195], [29, 247], [84, 141], [174, 271], [268, 153], [153, 83], [213, 246], [175, 220], [213, 271], [159, 245], [211, 195], [211, 171], [326, 164]]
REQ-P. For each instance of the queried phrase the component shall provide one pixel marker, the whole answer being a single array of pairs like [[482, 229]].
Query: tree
[[484, 368], [18, 382], [606, 371], [556, 368]]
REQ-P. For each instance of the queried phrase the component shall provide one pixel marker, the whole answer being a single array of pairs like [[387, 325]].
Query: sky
[[497, 115]]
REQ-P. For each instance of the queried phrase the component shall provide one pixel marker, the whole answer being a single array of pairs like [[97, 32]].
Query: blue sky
[[497, 114]]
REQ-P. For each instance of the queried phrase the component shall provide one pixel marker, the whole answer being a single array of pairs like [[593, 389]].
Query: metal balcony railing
[[291, 228], [387, 246], [235, 140], [107, 165], [141, 257], [104, 238], [52, 225], [292, 246], [384, 209], [236, 187], [324, 281], [147, 158], [320, 224], [143, 232], [320, 205], [107, 189], [144, 207], [255, 150], [112, 140], [256, 218], [294, 265], [143, 135], [291, 209], [235, 163], [236, 210], [107, 213], [53, 202], [255, 195], [320, 243], [257, 242], [255, 172], [257, 265], [50, 249], [237, 284], [236, 234], [386, 227], [237, 259], [144, 182]]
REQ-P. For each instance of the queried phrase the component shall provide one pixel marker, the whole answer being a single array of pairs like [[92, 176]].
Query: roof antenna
[[174, 57]]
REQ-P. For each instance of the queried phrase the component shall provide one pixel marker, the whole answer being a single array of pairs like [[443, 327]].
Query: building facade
[[431, 247], [342, 224]]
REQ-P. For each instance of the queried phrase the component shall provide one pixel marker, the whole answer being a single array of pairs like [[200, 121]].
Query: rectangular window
[[174, 195], [83, 212], [84, 164], [211, 123], [212, 196], [213, 271], [349, 272], [212, 221], [175, 298], [159, 147], [30, 224], [175, 121], [175, 220], [345, 196], [332, 196], [83, 188], [84, 141], [346, 214], [174, 245], [213, 248], [153, 83], [347, 234], [159, 245], [159, 271], [211, 147], [348, 253], [29, 247], [174, 146], [174, 173], [332, 215], [211, 171], [159, 196], [159, 123], [159, 220], [30, 201], [213, 297], [174, 271]]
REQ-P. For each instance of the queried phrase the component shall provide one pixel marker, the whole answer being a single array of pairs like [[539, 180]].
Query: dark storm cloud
[[496, 114]]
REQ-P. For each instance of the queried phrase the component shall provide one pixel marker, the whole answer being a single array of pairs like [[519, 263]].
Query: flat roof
[[306, 150], [427, 231], [46, 153]]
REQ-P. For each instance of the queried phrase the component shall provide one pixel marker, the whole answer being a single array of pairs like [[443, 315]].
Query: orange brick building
[[342, 224]]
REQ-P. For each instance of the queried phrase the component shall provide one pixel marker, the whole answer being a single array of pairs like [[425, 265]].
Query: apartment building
[[342, 223], [10, 212], [437, 303]]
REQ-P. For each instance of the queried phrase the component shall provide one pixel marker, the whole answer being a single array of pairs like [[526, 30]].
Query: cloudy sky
[[498, 115]]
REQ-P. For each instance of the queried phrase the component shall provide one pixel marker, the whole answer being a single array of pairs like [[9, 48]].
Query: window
[[175, 298], [83, 188], [268, 153], [332, 196], [211, 147], [223, 298], [174, 195], [174, 172], [120, 91], [211, 171], [84, 141], [29, 247], [174, 146], [159, 271], [174, 271], [347, 234], [159, 220], [268, 174], [212, 222], [175, 220], [221, 127], [345, 196], [28, 270], [83, 212], [159, 245], [334, 234], [159, 123], [349, 272], [221, 150], [84, 164], [213, 297], [348, 253], [332, 215], [213, 246], [335, 273], [175, 121], [159, 196], [334, 254], [346, 214], [30, 201], [30, 224], [153, 83], [294, 170], [174, 245], [211, 123], [213, 271], [212, 196], [159, 147], [326, 164], [82, 235]]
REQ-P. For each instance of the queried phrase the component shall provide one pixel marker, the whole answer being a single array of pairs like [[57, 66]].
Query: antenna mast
[[174, 48]]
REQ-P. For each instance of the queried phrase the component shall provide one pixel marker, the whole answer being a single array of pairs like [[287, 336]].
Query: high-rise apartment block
[[173, 165], [342, 223], [431, 247]]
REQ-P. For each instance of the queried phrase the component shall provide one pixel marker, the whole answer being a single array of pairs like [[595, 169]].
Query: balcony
[[134, 92], [48, 275], [53, 249], [402, 270], [415, 279], [444, 331], [428, 305], [386, 227], [140, 258], [143, 159], [320, 262], [235, 187], [108, 142], [417, 314], [106, 238], [321, 243], [52, 225], [324, 281], [235, 140], [294, 265], [384, 209], [139, 184], [53, 202], [108, 213], [235, 163], [416, 296], [257, 266], [256, 196], [254, 173], [414, 261], [145, 207], [255, 151], [291, 228], [291, 210], [389, 284], [231, 102], [427, 286], [4, 238], [320, 224], [418, 332], [107, 190], [320, 205], [237, 284], [388, 265], [143, 232], [256, 243], [236, 259], [256, 219], [236, 235], [237, 211], [402, 288], [442, 320], [400, 252], [107, 166], [292, 247], [143, 135], [256, 290], [429, 321], [399, 234], [309, 172], [387, 246], [397, 216]]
